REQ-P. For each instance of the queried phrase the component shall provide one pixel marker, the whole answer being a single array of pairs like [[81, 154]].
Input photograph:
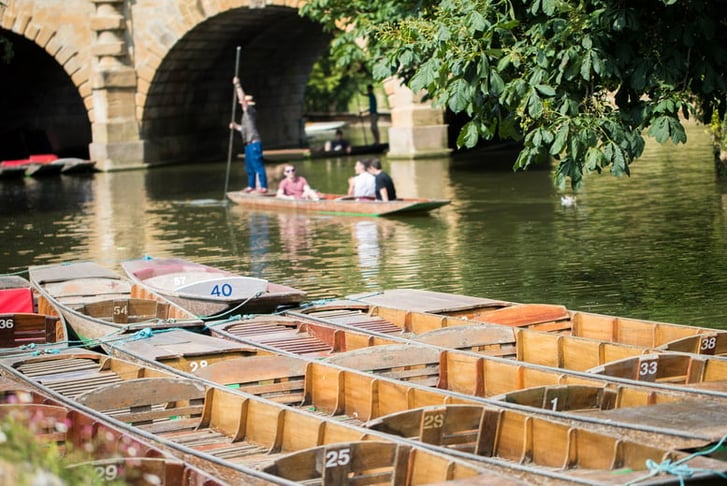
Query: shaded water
[[651, 246]]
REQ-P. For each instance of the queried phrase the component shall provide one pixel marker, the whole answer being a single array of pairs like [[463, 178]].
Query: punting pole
[[360, 119], [232, 130]]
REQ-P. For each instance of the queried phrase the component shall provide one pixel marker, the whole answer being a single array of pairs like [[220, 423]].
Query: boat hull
[[337, 205], [208, 291]]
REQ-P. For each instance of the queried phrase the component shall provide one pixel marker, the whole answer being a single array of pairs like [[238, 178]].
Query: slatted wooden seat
[[489, 340], [69, 376], [147, 400], [466, 428], [127, 310], [277, 378], [25, 328], [352, 463], [401, 362], [281, 333], [571, 398], [545, 317]]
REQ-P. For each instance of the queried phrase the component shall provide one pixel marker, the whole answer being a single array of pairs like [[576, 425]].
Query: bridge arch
[[184, 103], [45, 94], [142, 82]]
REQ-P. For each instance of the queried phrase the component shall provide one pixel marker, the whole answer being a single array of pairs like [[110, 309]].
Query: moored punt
[[47, 164], [237, 432], [555, 349], [208, 291], [625, 330], [106, 449], [21, 326], [393, 384], [538, 437], [337, 204], [96, 301], [560, 354]]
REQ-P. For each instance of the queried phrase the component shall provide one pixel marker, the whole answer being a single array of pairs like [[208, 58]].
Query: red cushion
[[43, 158], [16, 300], [12, 163]]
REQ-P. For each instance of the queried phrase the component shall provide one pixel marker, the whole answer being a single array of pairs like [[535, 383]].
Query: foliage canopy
[[583, 81]]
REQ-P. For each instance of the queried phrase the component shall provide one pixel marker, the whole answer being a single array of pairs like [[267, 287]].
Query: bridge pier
[[417, 129], [116, 143]]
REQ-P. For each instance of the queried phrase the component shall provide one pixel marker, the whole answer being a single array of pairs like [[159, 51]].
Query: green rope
[[679, 468], [14, 274]]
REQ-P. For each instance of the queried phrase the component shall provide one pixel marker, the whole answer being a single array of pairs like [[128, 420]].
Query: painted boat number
[[708, 344], [7, 324], [554, 404], [338, 457], [648, 368], [107, 473], [197, 365], [435, 421], [224, 290], [121, 310]]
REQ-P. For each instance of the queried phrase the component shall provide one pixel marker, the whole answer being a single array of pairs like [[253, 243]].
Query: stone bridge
[[135, 82]]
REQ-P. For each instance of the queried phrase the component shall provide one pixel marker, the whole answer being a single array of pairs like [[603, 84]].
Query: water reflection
[[366, 238], [650, 246]]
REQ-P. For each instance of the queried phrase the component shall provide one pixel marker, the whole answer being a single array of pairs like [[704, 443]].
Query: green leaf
[[593, 159], [535, 105], [561, 137], [659, 129], [425, 76], [477, 22], [545, 90], [459, 95], [549, 7], [497, 85], [586, 67], [468, 136]]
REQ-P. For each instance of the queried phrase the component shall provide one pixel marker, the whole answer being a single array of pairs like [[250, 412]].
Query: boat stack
[[182, 373]]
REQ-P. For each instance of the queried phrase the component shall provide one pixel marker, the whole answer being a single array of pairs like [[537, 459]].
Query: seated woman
[[295, 187]]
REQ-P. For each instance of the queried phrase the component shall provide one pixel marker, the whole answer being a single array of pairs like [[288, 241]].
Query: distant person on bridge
[[251, 139], [385, 190], [373, 113]]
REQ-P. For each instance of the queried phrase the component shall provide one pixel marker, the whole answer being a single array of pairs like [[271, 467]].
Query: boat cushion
[[16, 300]]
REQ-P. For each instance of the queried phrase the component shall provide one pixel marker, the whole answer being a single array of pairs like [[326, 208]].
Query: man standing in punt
[[251, 139]]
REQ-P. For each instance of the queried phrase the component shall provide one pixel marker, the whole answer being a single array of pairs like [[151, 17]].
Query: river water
[[650, 246]]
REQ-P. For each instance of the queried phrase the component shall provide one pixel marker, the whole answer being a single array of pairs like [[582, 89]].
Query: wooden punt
[[562, 355], [21, 326], [239, 433], [208, 291], [624, 330], [336, 204], [354, 396], [553, 349], [344, 393], [112, 453], [96, 302], [477, 375]]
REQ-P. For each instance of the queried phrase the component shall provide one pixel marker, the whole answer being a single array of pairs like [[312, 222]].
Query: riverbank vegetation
[[583, 82]]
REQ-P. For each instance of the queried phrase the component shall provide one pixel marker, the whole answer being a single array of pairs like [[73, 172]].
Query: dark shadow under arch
[[41, 110], [188, 107]]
